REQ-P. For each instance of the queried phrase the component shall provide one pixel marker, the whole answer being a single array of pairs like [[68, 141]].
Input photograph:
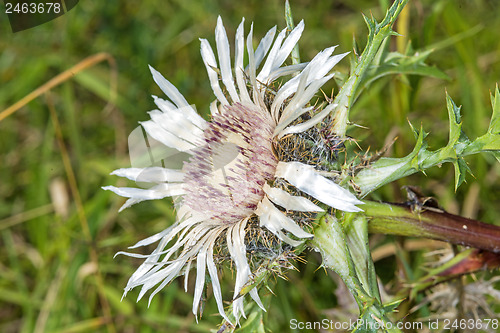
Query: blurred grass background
[[59, 230]]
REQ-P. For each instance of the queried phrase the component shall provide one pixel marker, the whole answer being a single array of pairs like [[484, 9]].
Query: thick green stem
[[399, 219]]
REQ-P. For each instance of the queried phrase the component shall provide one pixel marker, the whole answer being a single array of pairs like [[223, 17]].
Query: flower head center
[[224, 177]]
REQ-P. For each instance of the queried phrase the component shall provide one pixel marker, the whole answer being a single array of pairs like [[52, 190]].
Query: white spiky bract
[[226, 180]]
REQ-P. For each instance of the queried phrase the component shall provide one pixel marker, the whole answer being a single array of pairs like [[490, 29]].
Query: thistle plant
[[233, 181], [274, 174]]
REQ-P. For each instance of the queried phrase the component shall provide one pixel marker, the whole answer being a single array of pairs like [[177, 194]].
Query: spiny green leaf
[[491, 142], [461, 168], [290, 25], [394, 63], [455, 120], [388, 169], [420, 135], [370, 22], [346, 96], [457, 141], [408, 69], [393, 12], [420, 147]]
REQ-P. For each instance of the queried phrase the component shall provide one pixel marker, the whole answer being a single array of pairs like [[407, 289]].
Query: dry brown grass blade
[[25, 216], [64, 76]]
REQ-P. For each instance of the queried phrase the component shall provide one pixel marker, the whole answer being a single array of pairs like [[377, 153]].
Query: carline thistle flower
[[227, 182]]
